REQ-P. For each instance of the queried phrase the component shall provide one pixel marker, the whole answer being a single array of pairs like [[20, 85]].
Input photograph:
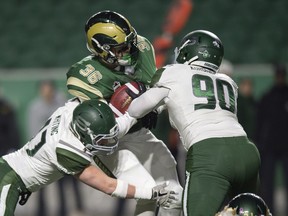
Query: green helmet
[[95, 126], [109, 33], [201, 48], [249, 204]]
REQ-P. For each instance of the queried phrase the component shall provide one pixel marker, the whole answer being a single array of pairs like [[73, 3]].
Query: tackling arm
[[141, 106], [96, 178], [147, 102]]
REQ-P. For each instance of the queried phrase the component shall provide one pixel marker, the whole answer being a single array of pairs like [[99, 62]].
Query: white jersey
[[201, 104], [52, 153]]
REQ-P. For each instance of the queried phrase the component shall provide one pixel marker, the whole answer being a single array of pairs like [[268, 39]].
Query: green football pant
[[216, 170], [10, 188]]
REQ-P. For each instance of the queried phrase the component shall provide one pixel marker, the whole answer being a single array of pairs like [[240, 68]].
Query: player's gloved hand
[[163, 196], [149, 121], [142, 89]]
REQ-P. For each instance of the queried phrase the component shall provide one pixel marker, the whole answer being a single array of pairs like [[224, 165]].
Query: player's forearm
[[97, 179], [125, 190], [140, 107], [147, 102]]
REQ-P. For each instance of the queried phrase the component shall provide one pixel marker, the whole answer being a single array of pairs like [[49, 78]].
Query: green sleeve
[[146, 64], [72, 161]]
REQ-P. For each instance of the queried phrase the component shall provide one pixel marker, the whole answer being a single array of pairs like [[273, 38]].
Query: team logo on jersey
[[205, 54], [142, 45]]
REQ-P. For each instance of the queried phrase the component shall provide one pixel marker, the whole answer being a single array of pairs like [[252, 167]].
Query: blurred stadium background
[[42, 39]]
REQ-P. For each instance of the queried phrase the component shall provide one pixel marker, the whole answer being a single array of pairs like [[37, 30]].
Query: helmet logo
[[215, 43], [205, 54]]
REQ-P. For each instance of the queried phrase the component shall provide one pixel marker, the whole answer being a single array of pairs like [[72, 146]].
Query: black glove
[[141, 88], [149, 121]]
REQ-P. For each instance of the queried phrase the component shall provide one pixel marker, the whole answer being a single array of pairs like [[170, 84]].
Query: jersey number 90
[[222, 93]]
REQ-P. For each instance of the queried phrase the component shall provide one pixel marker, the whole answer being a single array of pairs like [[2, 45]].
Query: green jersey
[[89, 78]]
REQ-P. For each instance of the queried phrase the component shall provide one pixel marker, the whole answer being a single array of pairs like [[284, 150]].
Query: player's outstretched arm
[[140, 107], [147, 102], [96, 178]]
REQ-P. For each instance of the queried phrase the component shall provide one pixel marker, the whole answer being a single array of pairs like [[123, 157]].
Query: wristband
[[121, 189], [143, 193]]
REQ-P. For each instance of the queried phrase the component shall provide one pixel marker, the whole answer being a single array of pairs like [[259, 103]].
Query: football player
[[119, 55], [65, 145], [246, 204], [202, 106]]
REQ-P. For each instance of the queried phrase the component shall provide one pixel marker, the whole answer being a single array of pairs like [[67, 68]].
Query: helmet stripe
[[110, 29]]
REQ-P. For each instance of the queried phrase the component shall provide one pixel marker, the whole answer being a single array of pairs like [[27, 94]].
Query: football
[[123, 96]]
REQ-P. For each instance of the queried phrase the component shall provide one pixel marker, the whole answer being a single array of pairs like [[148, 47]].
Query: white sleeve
[[139, 107], [147, 102], [125, 122]]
